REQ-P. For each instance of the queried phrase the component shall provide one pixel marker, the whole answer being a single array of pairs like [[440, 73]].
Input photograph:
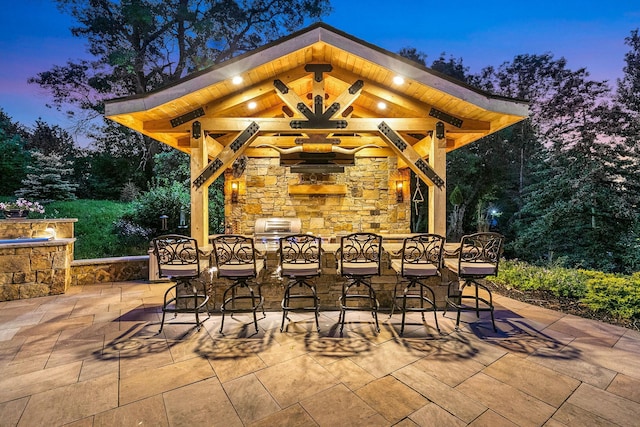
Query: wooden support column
[[199, 194], [438, 195]]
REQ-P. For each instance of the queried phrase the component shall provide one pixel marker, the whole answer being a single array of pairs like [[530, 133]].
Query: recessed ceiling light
[[252, 105], [398, 80], [236, 80], [382, 106]]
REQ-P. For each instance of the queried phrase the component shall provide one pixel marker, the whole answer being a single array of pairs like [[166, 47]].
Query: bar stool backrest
[[300, 254], [178, 256], [480, 254], [360, 254], [235, 256], [422, 255]]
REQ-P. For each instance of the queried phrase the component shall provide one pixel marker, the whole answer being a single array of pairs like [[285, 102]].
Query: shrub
[[616, 295], [562, 282], [170, 200], [129, 192], [132, 235]]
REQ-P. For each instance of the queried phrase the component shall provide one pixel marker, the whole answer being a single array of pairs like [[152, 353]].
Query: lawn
[[94, 230]]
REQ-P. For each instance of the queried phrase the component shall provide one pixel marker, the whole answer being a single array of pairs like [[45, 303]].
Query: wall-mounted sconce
[[234, 192], [399, 192]]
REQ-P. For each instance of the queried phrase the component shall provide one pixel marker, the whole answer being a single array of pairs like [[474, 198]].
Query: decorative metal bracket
[[227, 155], [407, 151], [187, 117], [447, 118]]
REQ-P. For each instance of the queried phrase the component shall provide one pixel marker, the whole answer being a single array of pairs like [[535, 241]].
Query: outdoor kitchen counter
[[329, 283]]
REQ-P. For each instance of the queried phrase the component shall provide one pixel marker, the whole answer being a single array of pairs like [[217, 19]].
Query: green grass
[[93, 231]]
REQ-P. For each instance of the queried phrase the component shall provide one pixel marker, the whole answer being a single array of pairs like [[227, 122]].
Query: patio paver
[[93, 357]]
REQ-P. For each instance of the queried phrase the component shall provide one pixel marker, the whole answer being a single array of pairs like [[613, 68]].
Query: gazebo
[[317, 125]]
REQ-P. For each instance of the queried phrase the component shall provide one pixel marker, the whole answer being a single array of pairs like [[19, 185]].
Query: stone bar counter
[[35, 257], [329, 283]]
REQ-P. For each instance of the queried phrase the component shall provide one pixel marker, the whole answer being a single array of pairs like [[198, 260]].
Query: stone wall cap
[[38, 220], [111, 260]]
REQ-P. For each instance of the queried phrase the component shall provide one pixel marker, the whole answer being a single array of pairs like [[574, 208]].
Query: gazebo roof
[[318, 60]]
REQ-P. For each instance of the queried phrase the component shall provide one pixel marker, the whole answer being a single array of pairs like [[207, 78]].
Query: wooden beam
[[283, 125], [438, 195], [199, 195]]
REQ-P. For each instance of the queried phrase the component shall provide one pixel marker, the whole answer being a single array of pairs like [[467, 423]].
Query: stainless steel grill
[[269, 230]]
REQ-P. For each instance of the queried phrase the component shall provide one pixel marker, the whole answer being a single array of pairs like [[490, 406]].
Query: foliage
[[615, 294], [172, 165], [13, 156], [46, 179], [561, 282], [23, 205], [129, 192], [93, 230], [131, 235], [171, 200], [48, 139]]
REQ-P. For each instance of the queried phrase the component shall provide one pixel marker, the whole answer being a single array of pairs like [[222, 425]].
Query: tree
[[413, 54], [14, 158], [45, 179], [581, 207], [49, 139]]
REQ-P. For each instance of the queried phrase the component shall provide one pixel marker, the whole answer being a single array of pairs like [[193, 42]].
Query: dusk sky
[[34, 36]]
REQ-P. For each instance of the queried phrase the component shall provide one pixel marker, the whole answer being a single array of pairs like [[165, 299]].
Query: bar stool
[[237, 260], [478, 257], [299, 256], [420, 259], [358, 261], [179, 261]]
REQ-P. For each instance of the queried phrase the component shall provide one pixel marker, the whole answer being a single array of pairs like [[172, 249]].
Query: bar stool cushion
[[240, 270], [470, 268], [291, 269], [358, 268], [414, 270]]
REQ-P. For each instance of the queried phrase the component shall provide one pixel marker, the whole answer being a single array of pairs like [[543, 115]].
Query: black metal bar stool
[[420, 259], [358, 261], [299, 256], [179, 261], [478, 257], [237, 260]]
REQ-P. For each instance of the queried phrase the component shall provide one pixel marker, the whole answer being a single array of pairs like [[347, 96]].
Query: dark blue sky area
[[34, 36]]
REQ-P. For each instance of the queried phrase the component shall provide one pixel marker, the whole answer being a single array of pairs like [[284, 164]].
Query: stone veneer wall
[[369, 204], [101, 270]]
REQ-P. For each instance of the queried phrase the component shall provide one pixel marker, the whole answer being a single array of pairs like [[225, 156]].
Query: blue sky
[[34, 36]]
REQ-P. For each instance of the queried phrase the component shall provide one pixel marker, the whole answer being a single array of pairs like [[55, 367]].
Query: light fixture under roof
[[252, 105], [236, 80], [382, 105], [398, 80]]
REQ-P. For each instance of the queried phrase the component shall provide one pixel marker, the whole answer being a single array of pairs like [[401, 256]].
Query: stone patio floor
[[92, 357]]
